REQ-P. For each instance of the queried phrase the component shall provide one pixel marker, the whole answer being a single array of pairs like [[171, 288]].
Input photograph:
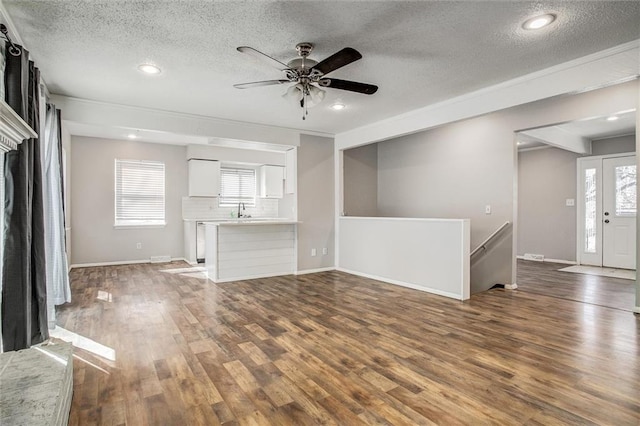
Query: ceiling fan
[[309, 75]]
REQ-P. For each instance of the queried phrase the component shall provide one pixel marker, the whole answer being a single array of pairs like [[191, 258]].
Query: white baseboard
[[315, 271], [636, 309], [252, 277], [402, 284], [119, 262], [566, 262], [511, 286]]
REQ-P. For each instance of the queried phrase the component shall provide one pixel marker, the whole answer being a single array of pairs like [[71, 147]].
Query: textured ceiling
[[418, 52]]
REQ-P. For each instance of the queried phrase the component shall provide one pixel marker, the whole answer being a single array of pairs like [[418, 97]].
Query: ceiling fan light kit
[[309, 75]]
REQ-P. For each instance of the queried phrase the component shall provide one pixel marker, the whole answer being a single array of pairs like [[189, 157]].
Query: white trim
[[13, 129], [566, 262], [315, 271], [536, 148], [513, 286], [403, 219], [252, 277], [636, 309], [402, 284], [121, 262]]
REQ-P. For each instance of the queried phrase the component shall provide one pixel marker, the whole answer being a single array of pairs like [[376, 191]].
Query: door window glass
[[590, 211], [626, 190]]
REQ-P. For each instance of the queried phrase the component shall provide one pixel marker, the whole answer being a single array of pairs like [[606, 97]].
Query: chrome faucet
[[241, 213]]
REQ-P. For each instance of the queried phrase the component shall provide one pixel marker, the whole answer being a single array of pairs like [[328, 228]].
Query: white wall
[[94, 238], [431, 255], [316, 202]]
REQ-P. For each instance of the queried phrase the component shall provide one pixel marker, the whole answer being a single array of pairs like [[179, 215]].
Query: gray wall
[[360, 167], [94, 238], [546, 225], [457, 169], [316, 202], [616, 145]]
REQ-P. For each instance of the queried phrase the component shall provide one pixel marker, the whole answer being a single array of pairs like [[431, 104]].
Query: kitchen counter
[[250, 221], [245, 249], [194, 230]]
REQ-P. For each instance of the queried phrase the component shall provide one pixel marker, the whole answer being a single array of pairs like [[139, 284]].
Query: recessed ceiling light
[[338, 106], [613, 118], [149, 69], [132, 136], [539, 21]]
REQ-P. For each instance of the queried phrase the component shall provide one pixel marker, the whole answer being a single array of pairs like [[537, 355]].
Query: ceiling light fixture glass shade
[[149, 69], [305, 95], [538, 22]]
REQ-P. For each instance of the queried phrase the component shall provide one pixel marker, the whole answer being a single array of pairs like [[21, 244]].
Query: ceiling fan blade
[[263, 57], [259, 84], [337, 60], [352, 86]]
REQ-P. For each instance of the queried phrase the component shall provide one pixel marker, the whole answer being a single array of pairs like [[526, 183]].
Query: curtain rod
[[13, 49]]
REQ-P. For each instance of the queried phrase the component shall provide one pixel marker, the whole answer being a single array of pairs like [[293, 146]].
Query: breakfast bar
[[246, 249]]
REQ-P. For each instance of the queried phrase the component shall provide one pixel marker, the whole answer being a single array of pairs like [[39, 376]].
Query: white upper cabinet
[[290, 171], [204, 178], [271, 181]]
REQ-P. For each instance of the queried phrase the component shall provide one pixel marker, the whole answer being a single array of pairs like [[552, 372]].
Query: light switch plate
[[570, 202], [487, 209]]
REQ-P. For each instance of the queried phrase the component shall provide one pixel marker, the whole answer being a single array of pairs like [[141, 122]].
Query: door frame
[[580, 254]]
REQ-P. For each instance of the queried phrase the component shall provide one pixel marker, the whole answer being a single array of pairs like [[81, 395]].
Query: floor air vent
[[532, 256]]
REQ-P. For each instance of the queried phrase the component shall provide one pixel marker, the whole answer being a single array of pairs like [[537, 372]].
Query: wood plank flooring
[[331, 348], [545, 278]]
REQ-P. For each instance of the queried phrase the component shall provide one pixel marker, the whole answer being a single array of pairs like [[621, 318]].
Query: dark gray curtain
[[24, 292]]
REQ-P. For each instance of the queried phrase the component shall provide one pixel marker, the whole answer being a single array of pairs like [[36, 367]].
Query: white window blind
[[237, 186], [139, 189]]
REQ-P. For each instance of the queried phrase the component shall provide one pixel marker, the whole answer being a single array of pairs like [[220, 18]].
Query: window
[[590, 214], [237, 186], [626, 191], [139, 193]]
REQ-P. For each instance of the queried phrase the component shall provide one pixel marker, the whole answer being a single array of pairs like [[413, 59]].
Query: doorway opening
[[561, 210]]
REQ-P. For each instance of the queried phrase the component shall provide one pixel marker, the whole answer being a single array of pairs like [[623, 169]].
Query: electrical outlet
[[313, 252], [139, 246], [325, 251], [570, 202]]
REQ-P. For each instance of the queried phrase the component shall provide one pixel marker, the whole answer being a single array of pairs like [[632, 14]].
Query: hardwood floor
[[544, 278], [331, 348]]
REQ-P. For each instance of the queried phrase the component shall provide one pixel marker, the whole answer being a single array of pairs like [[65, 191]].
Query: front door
[[619, 179]]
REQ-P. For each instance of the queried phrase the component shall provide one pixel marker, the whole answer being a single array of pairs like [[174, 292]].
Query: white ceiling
[[418, 52]]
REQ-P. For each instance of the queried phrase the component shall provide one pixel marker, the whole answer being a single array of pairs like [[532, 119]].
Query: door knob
[[606, 221]]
